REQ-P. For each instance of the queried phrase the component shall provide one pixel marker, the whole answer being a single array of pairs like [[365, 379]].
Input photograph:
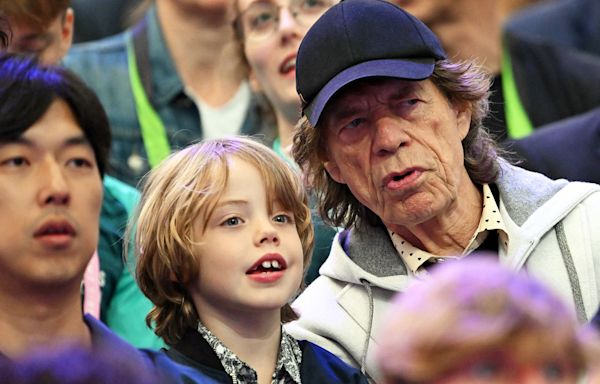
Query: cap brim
[[410, 69]]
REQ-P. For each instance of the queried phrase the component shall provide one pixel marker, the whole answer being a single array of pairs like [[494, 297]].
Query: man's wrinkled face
[[397, 145]]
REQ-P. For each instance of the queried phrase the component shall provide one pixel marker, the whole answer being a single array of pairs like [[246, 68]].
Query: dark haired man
[[54, 142], [44, 29]]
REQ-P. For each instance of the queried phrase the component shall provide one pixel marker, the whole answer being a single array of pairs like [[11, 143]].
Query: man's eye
[[15, 162], [405, 103], [80, 163], [355, 123]]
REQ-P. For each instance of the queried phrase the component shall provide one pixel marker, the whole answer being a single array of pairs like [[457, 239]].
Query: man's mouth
[[397, 180], [55, 234], [55, 228]]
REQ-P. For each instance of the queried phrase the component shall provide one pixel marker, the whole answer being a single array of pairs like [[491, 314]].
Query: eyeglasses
[[261, 19]]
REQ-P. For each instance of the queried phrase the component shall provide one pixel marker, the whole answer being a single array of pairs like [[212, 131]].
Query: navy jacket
[[318, 365], [164, 369], [568, 149]]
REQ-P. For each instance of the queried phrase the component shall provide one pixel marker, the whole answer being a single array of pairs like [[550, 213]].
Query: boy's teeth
[[266, 264], [275, 264]]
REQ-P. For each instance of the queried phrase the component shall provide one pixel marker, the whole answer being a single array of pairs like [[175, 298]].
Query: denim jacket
[[103, 65]]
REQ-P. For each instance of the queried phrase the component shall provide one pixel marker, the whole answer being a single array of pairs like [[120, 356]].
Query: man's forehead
[[378, 86]]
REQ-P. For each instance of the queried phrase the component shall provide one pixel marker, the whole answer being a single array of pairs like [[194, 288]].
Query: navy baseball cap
[[361, 38]]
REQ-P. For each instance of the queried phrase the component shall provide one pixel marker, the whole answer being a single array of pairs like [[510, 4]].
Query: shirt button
[[135, 163]]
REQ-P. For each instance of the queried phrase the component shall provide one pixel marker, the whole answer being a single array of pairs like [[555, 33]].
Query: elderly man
[[392, 140]]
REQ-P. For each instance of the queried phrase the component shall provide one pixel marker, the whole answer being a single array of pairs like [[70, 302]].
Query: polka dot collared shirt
[[490, 220]]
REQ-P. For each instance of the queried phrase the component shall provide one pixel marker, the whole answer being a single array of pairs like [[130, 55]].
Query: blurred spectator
[[270, 48], [572, 24], [97, 19], [472, 30], [474, 321], [548, 69], [76, 365], [555, 57], [4, 33], [568, 148], [40, 28], [546, 39], [175, 77]]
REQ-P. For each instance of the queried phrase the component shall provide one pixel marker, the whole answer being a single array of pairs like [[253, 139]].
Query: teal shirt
[[123, 307]]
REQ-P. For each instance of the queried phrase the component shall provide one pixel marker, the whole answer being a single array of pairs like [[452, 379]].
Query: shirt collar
[[490, 220], [287, 369]]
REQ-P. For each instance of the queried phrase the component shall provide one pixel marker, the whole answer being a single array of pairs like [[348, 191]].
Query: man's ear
[[67, 30], [334, 171], [463, 120]]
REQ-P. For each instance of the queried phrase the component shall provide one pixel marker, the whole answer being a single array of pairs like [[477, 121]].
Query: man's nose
[[390, 135], [54, 188]]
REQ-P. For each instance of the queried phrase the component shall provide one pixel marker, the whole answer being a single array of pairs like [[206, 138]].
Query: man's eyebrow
[[344, 105], [341, 111], [73, 141], [77, 140]]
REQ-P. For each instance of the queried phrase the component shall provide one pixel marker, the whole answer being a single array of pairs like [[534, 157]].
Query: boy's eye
[[232, 221], [282, 218]]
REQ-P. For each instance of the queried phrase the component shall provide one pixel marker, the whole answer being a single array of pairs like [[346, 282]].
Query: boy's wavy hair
[[182, 189]]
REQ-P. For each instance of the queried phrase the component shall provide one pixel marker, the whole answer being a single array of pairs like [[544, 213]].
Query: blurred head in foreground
[[475, 321]]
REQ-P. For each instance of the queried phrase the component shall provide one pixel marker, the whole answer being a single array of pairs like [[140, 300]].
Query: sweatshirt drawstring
[[363, 362], [571, 271]]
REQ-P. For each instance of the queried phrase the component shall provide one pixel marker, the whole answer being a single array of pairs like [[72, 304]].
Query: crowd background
[[195, 72]]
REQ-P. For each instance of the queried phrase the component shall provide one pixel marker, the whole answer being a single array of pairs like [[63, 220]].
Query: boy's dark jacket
[[318, 365]]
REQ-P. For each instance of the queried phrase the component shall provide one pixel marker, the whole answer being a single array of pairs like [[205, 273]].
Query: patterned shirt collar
[[490, 220], [287, 369]]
